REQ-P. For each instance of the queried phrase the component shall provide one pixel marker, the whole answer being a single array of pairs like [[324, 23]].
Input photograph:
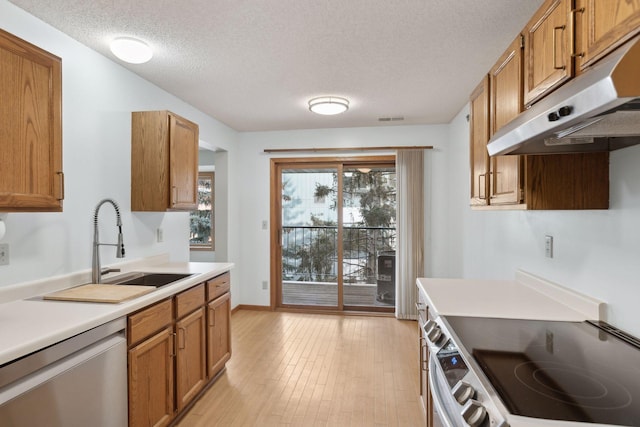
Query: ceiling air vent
[[391, 119]]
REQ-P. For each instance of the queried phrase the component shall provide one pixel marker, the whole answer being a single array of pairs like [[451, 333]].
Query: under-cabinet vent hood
[[597, 111]]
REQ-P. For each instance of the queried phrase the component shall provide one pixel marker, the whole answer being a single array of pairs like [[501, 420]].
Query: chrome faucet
[[96, 272]]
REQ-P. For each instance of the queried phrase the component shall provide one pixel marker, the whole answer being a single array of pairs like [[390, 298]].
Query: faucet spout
[[96, 271]]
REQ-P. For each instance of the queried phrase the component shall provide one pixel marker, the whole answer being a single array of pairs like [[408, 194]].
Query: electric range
[[511, 372]]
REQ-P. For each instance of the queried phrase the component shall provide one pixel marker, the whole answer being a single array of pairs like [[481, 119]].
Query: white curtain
[[410, 230]]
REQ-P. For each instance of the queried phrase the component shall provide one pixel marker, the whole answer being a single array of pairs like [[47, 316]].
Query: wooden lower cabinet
[[191, 372], [151, 381], [176, 347], [219, 334]]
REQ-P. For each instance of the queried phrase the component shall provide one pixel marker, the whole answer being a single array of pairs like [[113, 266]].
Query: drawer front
[[218, 286], [189, 300], [149, 320]]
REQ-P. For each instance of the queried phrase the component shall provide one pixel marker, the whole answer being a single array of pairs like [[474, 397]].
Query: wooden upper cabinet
[[479, 135], [604, 25], [505, 104], [164, 162], [31, 177], [548, 49]]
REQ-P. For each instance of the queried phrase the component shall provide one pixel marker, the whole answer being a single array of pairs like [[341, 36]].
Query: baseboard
[[251, 307]]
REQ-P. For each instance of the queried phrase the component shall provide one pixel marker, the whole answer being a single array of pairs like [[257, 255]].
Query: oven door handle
[[437, 396]]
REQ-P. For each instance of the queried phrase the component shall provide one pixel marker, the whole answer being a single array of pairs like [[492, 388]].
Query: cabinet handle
[[173, 344], [572, 18], [183, 334], [423, 359], [212, 317], [174, 195], [61, 176], [555, 54], [482, 175]]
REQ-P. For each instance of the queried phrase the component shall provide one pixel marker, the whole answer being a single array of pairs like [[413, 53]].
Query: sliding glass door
[[333, 236], [309, 236]]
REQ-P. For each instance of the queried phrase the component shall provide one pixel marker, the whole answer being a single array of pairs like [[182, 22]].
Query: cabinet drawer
[[218, 286], [144, 323], [189, 300]]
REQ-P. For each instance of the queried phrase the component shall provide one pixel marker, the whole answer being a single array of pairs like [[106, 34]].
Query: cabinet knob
[[553, 117]]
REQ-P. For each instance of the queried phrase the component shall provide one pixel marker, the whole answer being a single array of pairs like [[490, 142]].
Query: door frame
[[275, 214]]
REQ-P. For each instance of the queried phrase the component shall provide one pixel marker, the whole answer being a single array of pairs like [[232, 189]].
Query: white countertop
[[526, 297], [32, 323]]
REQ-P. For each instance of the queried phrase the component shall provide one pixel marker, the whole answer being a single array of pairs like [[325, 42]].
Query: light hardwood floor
[[292, 369]]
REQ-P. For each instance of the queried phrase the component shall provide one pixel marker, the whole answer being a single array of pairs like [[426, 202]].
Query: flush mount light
[[131, 50], [328, 105], [364, 170]]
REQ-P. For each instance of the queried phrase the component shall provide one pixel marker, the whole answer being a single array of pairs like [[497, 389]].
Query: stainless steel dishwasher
[[81, 381]]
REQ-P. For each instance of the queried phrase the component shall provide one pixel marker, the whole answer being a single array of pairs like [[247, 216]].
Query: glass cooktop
[[572, 371]]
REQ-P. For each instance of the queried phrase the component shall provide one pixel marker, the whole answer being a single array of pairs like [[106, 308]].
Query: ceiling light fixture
[[328, 105], [364, 170], [131, 50]]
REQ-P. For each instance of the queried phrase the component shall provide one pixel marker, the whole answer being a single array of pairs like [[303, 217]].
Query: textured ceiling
[[254, 64]]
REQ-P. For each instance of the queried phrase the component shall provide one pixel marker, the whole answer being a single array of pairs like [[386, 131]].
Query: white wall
[[595, 252], [253, 189], [98, 98]]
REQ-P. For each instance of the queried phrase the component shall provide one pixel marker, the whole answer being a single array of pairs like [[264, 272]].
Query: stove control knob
[[429, 325], [434, 334], [474, 413], [462, 392]]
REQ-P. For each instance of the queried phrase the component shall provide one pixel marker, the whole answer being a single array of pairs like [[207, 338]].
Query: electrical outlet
[[548, 246], [159, 235], [4, 254], [265, 285]]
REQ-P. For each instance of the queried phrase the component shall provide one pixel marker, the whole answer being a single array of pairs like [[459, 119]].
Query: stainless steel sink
[[146, 279]]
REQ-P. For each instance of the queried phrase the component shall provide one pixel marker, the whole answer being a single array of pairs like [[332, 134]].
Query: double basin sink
[[145, 279]]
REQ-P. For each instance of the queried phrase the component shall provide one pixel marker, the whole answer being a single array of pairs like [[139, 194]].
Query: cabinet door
[[479, 128], [506, 103], [183, 163], [151, 381], [548, 48], [31, 177], [219, 334], [605, 25], [191, 372]]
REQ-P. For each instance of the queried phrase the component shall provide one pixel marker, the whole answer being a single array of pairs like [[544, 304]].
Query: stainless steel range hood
[[597, 111]]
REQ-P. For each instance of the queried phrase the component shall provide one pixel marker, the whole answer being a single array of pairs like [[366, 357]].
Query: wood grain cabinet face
[[479, 135], [602, 26], [505, 178], [176, 346], [164, 162], [31, 176], [191, 372], [151, 381], [218, 334], [548, 49]]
